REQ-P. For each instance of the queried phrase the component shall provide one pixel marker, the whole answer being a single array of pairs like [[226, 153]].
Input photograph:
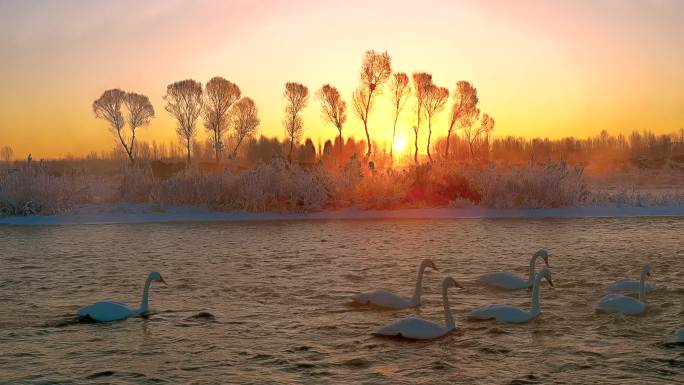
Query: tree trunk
[[341, 145], [187, 146], [415, 155], [394, 132], [289, 156], [448, 140], [365, 125], [429, 137]]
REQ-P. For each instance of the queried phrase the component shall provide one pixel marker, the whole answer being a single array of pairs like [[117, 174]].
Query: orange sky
[[542, 68]]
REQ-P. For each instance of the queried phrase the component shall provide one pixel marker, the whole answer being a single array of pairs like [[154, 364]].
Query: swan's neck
[[642, 288], [533, 263], [144, 307], [448, 318], [535, 309], [419, 286]]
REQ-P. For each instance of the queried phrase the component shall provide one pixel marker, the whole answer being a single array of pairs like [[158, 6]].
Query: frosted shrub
[[630, 197], [545, 186], [29, 191], [135, 185]]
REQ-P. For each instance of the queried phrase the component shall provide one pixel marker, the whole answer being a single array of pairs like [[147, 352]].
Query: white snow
[[143, 213]]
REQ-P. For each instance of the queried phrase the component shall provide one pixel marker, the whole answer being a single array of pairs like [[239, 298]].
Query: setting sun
[[399, 143]]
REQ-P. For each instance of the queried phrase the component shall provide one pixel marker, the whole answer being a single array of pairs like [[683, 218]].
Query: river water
[[269, 302]]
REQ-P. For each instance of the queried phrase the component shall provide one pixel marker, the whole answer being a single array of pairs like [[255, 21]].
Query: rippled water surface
[[269, 302]]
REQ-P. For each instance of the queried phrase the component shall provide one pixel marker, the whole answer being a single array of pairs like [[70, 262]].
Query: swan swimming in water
[[506, 280], [390, 300], [506, 313], [105, 311], [618, 303], [420, 329], [628, 285]]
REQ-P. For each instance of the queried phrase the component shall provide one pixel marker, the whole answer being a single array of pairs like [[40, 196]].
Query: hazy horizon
[[541, 69]]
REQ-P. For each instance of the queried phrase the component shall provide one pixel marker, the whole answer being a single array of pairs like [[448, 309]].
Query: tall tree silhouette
[[108, 107], [220, 95], [334, 109], [140, 113], [473, 135], [435, 100], [6, 154], [184, 102], [464, 110], [375, 70], [400, 90], [422, 82], [245, 121], [296, 96]]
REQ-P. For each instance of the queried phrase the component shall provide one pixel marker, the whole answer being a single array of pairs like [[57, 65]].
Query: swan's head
[[646, 270], [449, 282], [546, 274], [156, 277], [543, 254], [428, 263]]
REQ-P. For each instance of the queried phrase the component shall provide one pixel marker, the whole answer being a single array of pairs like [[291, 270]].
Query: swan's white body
[[628, 285], [507, 313], [510, 281], [678, 337], [390, 300], [106, 311], [420, 329], [618, 303]]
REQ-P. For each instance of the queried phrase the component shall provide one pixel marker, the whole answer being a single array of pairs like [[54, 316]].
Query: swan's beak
[[550, 282], [162, 280], [458, 285]]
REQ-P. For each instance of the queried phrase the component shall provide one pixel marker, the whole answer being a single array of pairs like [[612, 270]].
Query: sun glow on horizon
[[400, 143]]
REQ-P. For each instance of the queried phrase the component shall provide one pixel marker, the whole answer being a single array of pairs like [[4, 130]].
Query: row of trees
[[220, 104]]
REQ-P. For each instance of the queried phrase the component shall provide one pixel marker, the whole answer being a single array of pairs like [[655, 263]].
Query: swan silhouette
[[506, 313], [677, 338], [390, 300], [618, 303], [420, 329], [628, 285], [510, 281], [105, 311]]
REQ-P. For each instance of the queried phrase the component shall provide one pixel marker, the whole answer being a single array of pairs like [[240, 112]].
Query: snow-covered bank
[[141, 213]]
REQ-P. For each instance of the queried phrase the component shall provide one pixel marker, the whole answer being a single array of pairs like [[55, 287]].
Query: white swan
[[628, 285], [506, 280], [677, 338], [618, 303], [105, 311], [390, 300], [420, 329], [506, 313]]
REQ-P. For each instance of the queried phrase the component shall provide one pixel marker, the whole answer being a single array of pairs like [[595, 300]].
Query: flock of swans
[[617, 300]]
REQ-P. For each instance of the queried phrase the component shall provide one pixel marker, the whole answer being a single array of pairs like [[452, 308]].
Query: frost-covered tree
[[140, 113], [184, 102], [422, 82], [483, 130], [245, 121], [334, 108], [108, 108], [435, 100], [463, 111], [220, 95], [6, 154], [375, 70], [296, 96], [399, 91]]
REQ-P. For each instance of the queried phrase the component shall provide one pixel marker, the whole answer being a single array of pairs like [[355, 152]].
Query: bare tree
[[220, 95], [421, 84], [463, 111], [184, 103], [140, 112], [375, 70], [245, 121], [108, 108], [435, 100], [334, 109], [6, 154], [296, 95], [473, 135], [399, 92]]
